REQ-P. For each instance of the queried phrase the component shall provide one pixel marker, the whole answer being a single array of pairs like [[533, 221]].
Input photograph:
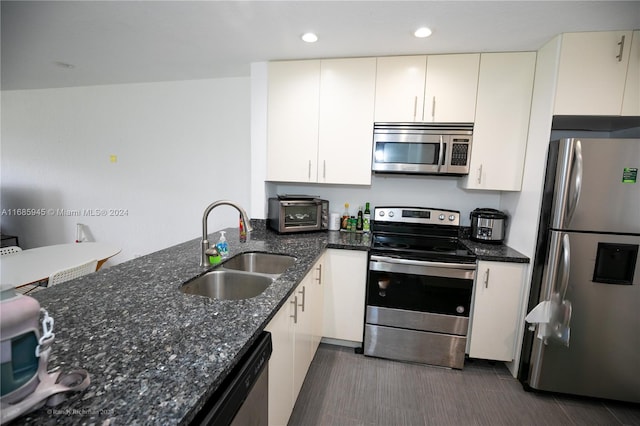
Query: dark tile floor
[[343, 389]]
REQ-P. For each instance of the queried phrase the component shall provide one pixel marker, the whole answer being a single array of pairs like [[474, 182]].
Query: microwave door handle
[[440, 153]]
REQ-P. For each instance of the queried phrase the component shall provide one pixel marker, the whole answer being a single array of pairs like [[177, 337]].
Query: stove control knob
[[441, 217], [381, 213], [391, 214], [452, 218]]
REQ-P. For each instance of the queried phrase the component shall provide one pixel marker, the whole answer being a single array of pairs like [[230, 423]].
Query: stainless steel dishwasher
[[242, 398]]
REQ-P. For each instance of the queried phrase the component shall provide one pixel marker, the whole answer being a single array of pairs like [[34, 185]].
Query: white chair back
[[10, 249], [71, 273]]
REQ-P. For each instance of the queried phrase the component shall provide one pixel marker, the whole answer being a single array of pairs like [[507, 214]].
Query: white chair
[[9, 250], [71, 273]]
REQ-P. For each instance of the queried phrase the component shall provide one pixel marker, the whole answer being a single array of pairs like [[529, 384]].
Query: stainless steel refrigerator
[[583, 334]]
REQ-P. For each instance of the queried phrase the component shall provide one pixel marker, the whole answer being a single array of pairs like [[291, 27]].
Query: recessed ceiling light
[[422, 32], [309, 37]]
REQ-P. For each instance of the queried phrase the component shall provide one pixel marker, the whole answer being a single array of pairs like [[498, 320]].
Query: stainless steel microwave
[[298, 213], [422, 148]]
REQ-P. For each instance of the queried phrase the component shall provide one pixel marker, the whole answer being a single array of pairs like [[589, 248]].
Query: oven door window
[[440, 295], [300, 215], [407, 153]]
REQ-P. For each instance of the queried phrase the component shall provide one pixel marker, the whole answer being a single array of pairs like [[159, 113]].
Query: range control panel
[[419, 215]]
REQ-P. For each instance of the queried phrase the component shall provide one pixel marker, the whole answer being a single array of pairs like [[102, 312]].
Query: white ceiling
[[110, 42]]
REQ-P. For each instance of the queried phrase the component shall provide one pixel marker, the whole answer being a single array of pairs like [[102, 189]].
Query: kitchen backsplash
[[419, 191]]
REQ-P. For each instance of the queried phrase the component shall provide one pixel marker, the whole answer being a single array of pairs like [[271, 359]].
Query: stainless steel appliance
[[242, 399], [584, 337], [422, 148], [419, 287], [488, 225], [298, 213]]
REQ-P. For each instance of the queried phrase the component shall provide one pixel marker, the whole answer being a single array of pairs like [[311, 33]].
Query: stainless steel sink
[[262, 263], [228, 285]]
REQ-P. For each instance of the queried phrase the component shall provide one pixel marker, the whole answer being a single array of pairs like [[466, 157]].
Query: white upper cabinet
[[347, 95], [451, 88], [436, 88], [631, 98], [400, 88], [292, 133], [505, 89], [320, 121], [593, 72]]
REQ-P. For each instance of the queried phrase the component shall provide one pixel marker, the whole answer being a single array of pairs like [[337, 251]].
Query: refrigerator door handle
[[553, 315], [576, 183], [561, 308], [566, 262]]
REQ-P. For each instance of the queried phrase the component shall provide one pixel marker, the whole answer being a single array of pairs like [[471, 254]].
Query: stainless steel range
[[419, 287]]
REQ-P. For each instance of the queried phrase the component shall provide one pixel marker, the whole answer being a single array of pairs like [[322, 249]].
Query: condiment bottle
[[366, 220], [344, 224], [359, 220]]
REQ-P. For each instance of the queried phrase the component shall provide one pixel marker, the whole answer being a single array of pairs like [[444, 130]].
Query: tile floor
[[343, 389]]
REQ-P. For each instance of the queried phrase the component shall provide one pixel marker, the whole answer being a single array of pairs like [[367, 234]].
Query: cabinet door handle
[[319, 279], [621, 44], [324, 169], [433, 109], [486, 278], [302, 292], [309, 169], [480, 174], [295, 309], [415, 107]]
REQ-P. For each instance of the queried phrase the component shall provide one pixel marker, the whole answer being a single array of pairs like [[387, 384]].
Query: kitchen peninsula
[[155, 354]]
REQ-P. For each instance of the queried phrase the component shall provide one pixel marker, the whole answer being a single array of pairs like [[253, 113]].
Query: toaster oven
[[298, 213]]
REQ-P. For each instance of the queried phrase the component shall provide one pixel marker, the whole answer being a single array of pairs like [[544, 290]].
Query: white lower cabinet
[[497, 305], [307, 336], [345, 283], [295, 338]]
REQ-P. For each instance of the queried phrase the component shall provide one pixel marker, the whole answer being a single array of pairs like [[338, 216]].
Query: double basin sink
[[243, 276]]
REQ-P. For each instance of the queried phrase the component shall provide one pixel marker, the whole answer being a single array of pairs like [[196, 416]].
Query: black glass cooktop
[[421, 247]]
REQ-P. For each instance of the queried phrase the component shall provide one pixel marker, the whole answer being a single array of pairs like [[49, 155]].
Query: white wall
[[259, 84], [179, 146]]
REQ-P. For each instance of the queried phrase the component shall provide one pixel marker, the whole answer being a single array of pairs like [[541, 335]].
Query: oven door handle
[[420, 267], [423, 262]]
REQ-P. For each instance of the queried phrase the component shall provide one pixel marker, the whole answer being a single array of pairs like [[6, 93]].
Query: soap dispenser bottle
[[222, 245]]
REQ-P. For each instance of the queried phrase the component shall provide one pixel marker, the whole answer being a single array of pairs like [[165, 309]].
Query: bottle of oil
[[359, 220]]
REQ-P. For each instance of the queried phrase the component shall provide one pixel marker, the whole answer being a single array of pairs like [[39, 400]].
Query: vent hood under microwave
[[422, 148]]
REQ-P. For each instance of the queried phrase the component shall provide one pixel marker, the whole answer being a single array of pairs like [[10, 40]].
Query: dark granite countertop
[[154, 354], [494, 252]]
